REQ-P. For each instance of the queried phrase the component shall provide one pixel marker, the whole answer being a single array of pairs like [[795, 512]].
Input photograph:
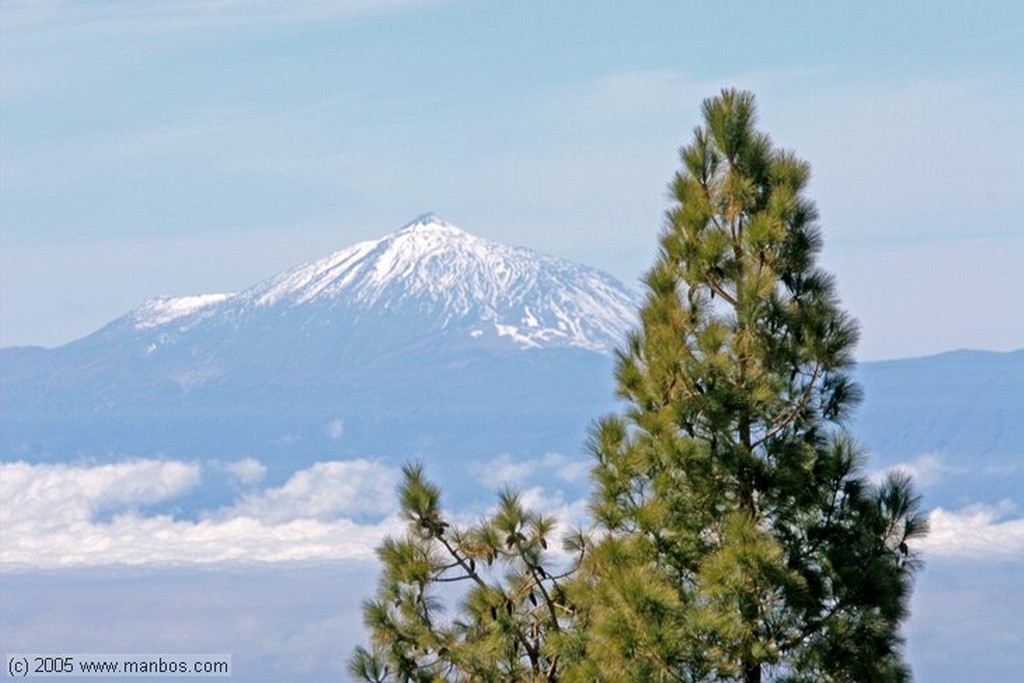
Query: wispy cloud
[[183, 14], [506, 470], [247, 471], [929, 469], [503, 470]]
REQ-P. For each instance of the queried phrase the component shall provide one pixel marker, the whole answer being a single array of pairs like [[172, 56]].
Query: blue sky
[[188, 147]]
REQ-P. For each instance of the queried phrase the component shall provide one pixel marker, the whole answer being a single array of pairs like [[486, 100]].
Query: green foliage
[[735, 538], [743, 542], [513, 609]]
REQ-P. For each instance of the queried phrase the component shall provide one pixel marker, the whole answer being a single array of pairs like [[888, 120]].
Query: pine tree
[[513, 609], [736, 537], [741, 540]]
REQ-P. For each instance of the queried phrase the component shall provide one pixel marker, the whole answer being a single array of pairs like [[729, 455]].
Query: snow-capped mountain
[[431, 273]]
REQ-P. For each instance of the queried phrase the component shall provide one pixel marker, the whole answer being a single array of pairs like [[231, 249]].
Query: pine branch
[[715, 287], [535, 574], [784, 421], [472, 574]]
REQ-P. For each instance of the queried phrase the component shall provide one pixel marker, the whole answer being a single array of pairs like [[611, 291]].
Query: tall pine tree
[[741, 540], [735, 535]]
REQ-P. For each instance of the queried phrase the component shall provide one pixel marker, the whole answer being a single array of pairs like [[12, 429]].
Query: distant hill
[[962, 403], [958, 415]]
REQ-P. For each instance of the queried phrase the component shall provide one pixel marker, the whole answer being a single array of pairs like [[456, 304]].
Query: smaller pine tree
[[513, 609]]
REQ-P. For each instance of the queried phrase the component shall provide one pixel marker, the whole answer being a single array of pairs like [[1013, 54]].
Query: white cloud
[[570, 514], [505, 470], [326, 491], [54, 516], [55, 496], [247, 471], [975, 532], [502, 471], [59, 516], [49, 515], [567, 469]]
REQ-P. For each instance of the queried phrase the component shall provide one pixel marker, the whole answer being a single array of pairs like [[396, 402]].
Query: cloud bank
[[56, 516]]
